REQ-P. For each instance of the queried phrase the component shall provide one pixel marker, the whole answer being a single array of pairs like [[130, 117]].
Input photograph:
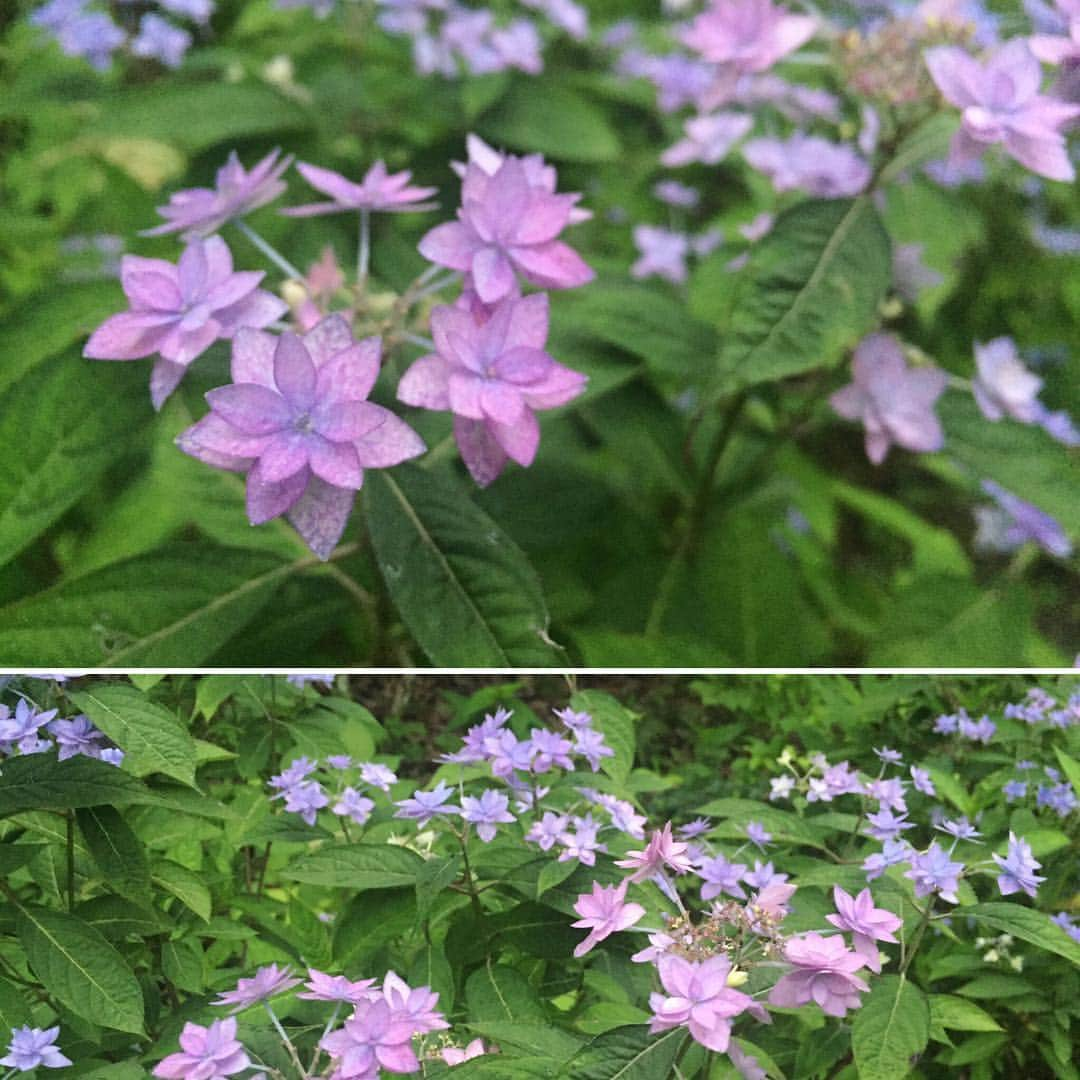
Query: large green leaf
[[41, 782], [1021, 457], [175, 607], [556, 121], [63, 425], [151, 737], [501, 992], [616, 723], [626, 1053], [890, 1028], [81, 969], [116, 849], [14, 1009], [1028, 925], [810, 291], [463, 587], [357, 866]]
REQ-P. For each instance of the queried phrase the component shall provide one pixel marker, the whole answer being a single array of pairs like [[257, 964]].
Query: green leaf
[[431, 968], [432, 878], [84, 416], [185, 885], [463, 587], [116, 917], [174, 607], [118, 852], [556, 121], [928, 142], [616, 722], [1069, 766], [890, 1028], [182, 964], [213, 690], [783, 824], [81, 969], [1028, 925], [627, 1053], [152, 739], [14, 1009], [500, 992], [958, 1014], [14, 856], [357, 867], [810, 290], [41, 782]]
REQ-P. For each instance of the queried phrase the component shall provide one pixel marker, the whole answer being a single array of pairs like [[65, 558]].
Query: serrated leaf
[[357, 866], [174, 607], [431, 968], [81, 969], [627, 1053], [117, 851], [501, 992], [152, 739], [810, 291], [463, 587], [41, 782], [890, 1028], [1028, 925], [185, 885], [958, 1014], [182, 964]]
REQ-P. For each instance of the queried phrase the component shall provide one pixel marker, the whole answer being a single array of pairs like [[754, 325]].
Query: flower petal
[[321, 514], [269, 500], [250, 408]]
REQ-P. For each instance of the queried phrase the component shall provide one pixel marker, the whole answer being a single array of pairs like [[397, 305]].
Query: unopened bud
[[737, 978]]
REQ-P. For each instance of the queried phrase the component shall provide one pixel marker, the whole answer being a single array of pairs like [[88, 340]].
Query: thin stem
[[436, 286], [363, 254], [269, 250], [916, 941], [470, 883], [285, 1040], [70, 859], [416, 339], [326, 1031]]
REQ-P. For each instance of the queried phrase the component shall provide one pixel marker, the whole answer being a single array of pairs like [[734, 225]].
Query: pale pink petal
[[321, 514], [164, 379], [955, 73], [192, 269], [336, 463], [560, 385], [1047, 157], [522, 366], [182, 346], [219, 261], [450, 244], [388, 444], [253, 357], [330, 183], [256, 311], [528, 324], [213, 440], [325, 341], [351, 373], [483, 456], [151, 291], [520, 440], [345, 421], [286, 454], [294, 373], [130, 335], [493, 276], [425, 384], [552, 266], [501, 402], [547, 216], [268, 500], [465, 394], [233, 289]]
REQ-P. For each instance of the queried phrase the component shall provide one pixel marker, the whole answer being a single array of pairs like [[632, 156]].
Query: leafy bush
[[752, 215], [179, 855]]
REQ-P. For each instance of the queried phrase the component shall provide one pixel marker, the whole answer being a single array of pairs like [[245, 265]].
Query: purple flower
[[546, 832], [354, 805], [708, 139], [267, 982], [76, 736], [604, 912], [506, 224], [158, 39], [1018, 868], [747, 35], [699, 998], [663, 253], [662, 850], [866, 923], [1071, 928], [697, 827], [91, 35], [809, 163], [551, 750], [824, 973], [375, 1037], [781, 787], [591, 746], [1063, 47], [492, 372], [675, 193], [763, 877], [296, 418], [1060, 798], [180, 311], [113, 755], [202, 211], [581, 844], [1001, 103], [323, 987], [379, 191], [921, 781], [910, 274], [1003, 386], [21, 727], [207, 1053], [299, 770], [1013, 790], [890, 757], [894, 402], [1022, 522], [486, 812], [575, 721], [721, 876], [934, 872], [378, 776], [884, 825], [756, 834], [422, 806], [892, 853], [418, 1004], [31, 1048], [961, 829]]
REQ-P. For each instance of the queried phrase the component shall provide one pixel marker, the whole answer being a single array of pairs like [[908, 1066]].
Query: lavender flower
[[663, 253], [809, 163], [699, 998], [76, 736], [824, 973], [210, 1052], [934, 872], [266, 983], [32, 1048], [721, 876], [1003, 386], [159, 39], [662, 850], [1014, 522], [323, 987], [708, 139], [353, 805], [604, 912], [866, 923], [379, 190], [747, 35], [486, 812], [1018, 868], [422, 806]]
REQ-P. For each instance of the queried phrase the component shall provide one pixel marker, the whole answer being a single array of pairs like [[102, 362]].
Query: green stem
[[363, 251], [269, 250], [916, 941]]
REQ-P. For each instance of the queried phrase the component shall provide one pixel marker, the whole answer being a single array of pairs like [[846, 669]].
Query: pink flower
[[266, 983], [1003, 386], [456, 1055], [207, 1053], [417, 1004], [493, 374], [866, 923], [202, 211], [747, 35], [698, 997], [894, 402], [180, 311], [661, 850], [505, 224], [604, 913], [1001, 103], [824, 973], [297, 421], [375, 1037], [379, 190], [1060, 48], [323, 987]]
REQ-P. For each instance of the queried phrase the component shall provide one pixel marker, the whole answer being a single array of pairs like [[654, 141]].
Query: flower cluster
[[84, 29], [26, 729], [296, 419], [340, 783], [384, 1032]]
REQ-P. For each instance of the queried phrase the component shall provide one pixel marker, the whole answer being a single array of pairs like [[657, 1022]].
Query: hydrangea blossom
[[894, 402], [266, 983], [747, 35], [1014, 521], [296, 419], [210, 1052], [604, 912], [866, 923], [379, 190], [179, 311], [809, 163], [487, 812], [698, 997], [708, 139], [490, 369], [33, 1048], [662, 851], [1018, 868], [1003, 385], [823, 972], [1001, 103]]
